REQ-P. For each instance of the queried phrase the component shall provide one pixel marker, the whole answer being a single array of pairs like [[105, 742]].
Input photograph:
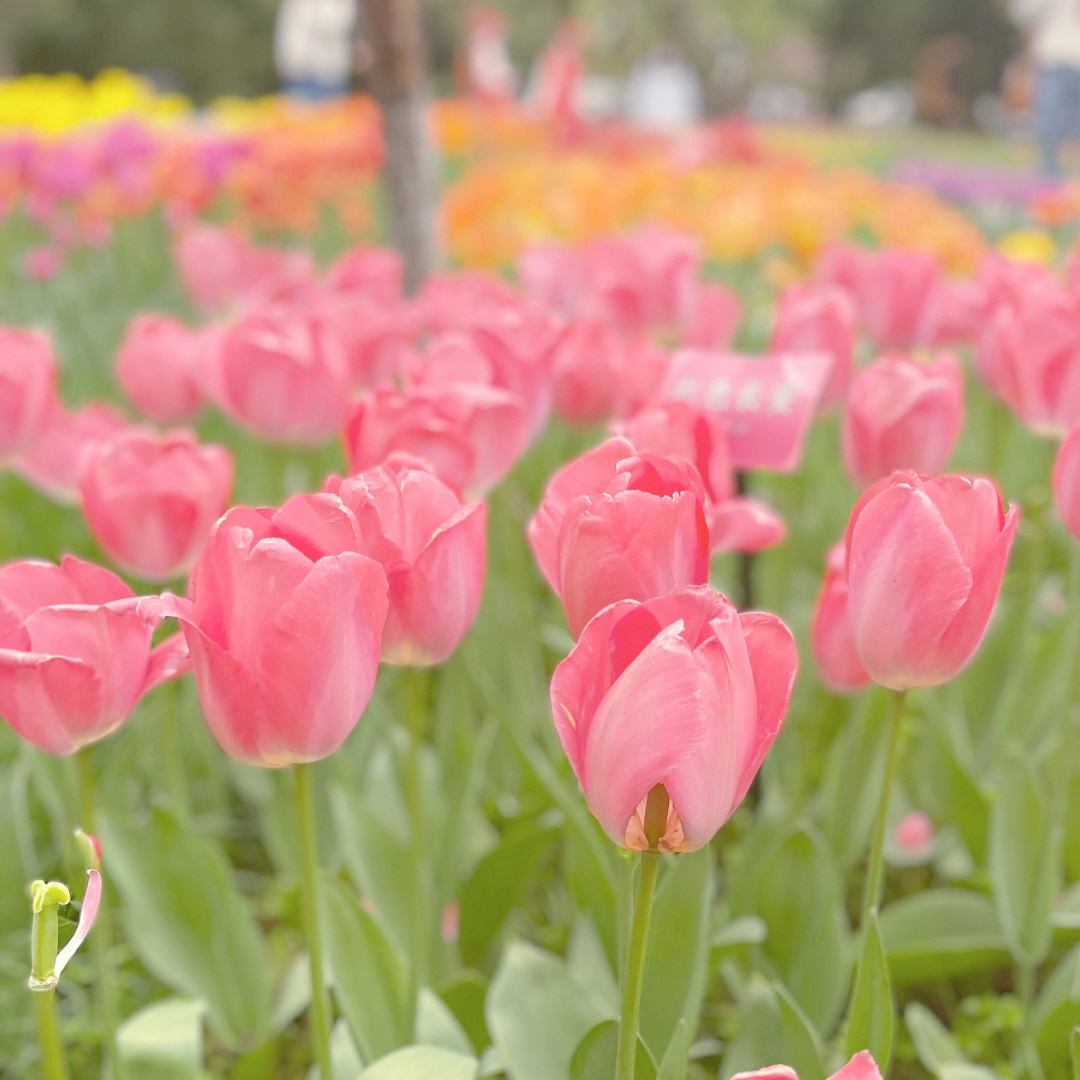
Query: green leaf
[[676, 1056], [1056, 1012], [163, 1041], [537, 1014], [1074, 1050], [941, 934], [499, 881], [595, 1055], [774, 1029], [871, 1023], [423, 1063], [934, 1046], [436, 1025], [794, 885], [1022, 861], [677, 949], [187, 923], [368, 975], [465, 999], [749, 930]]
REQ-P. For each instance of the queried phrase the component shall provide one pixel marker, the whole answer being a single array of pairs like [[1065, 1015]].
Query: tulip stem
[[876, 870], [309, 909], [630, 1012], [174, 764], [101, 938], [53, 1063]]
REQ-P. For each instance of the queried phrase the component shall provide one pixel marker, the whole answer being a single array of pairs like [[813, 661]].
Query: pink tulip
[[282, 375], [615, 526], [370, 333], [27, 387], [830, 633], [861, 1067], [377, 273], [683, 432], [43, 262], [154, 366], [284, 638], [818, 319], [710, 315], [432, 548], [471, 435], [682, 691], [914, 834], [902, 414], [53, 460], [150, 500], [597, 372], [1028, 353], [75, 652], [925, 559], [1066, 481]]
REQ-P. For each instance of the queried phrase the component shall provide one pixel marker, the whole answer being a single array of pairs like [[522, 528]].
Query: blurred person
[[560, 76], [1052, 33], [664, 92], [314, 47], [941, 91], [487, 72]]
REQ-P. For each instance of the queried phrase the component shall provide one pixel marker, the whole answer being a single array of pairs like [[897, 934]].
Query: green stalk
[[876, 871], [174, 764], [53, 1064], [309, 908], [101, 938], [656, 810]]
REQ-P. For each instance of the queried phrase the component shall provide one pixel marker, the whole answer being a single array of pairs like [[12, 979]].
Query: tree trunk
[[397, 42]]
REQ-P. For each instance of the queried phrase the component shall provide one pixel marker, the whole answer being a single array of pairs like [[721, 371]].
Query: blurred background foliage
[[215, 47]]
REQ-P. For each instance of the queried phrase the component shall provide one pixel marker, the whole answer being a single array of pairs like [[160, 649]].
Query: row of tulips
[[670, 698]]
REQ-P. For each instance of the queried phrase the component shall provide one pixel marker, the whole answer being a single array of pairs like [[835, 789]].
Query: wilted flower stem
[[309, 909], [656, 811]]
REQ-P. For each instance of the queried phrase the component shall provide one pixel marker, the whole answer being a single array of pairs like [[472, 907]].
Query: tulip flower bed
[[604, 670]]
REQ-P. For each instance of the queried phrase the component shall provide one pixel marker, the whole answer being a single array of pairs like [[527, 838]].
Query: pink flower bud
[[150, 500], [154, 366], [902, 414], [27, 387], [925, 559], [432, 547], [284, 638], [681, 691], [914, 833], [283, 376], [830, 632], [1066, 483], [615, 526], [75, 652], [861, 1067]]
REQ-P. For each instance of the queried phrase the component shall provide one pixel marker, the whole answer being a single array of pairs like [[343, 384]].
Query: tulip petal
[[48, 700], [774, 661], [91, 900], [654, 717], [744, 524], [906, 582]]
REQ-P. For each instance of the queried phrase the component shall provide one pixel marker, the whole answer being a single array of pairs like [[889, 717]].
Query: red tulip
[[614, 526], [432, 548], [282, 375], [27, 387], [284, 638], [154, 366], [150, 500], [925, 559], [682, 691], [75, 652], [830, 632], [902, 414], [471, 435]]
